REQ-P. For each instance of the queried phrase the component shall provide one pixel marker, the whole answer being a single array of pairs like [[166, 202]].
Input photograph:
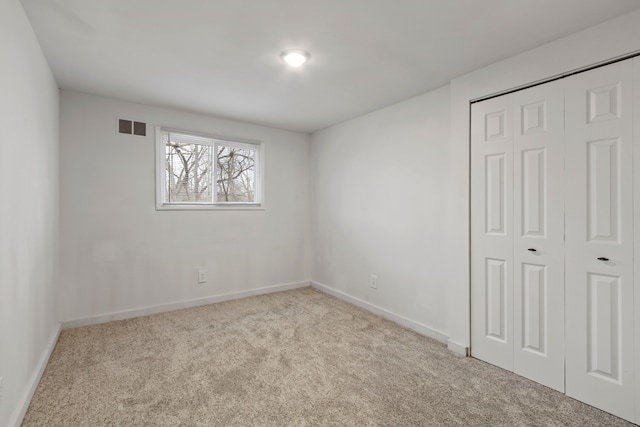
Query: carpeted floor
[[298, 358]]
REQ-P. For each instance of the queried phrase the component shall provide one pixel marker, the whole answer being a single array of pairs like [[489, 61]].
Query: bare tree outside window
[[197, 171], [188, 174], [235, 174]]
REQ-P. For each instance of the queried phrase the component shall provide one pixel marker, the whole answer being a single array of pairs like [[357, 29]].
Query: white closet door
[[538, 277], [492, 231], [599, 293]]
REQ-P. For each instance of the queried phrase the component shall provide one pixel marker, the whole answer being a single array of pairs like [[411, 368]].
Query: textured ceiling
[[221, 57]]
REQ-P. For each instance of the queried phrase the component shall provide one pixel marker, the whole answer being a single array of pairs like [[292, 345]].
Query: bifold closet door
[[517, 233], [599, 239], [492, 231], [538, 219]]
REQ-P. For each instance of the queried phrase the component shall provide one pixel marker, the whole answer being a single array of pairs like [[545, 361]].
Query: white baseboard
[[415, 326], [23, 404], [457, 348], [162, 308]]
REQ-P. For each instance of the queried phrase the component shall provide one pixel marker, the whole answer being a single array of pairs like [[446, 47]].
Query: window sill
[[210, 207]]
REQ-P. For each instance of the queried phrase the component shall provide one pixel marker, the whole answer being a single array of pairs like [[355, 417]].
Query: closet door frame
[[635, 217], [636, 222]]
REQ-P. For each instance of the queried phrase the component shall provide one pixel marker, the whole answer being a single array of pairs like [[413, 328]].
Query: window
[[202, 172]]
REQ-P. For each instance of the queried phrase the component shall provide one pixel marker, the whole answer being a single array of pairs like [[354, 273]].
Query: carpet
[[294, 358]]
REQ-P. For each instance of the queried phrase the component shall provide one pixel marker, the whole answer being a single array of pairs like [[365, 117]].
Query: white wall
[[421, 252], [119, 254], [599, 43], [28, 210], [380, 192]]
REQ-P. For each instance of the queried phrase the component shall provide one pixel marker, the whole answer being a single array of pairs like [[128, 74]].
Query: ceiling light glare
[[295, 58]]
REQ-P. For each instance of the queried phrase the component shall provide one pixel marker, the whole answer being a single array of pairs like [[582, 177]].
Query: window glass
[[199, 172]]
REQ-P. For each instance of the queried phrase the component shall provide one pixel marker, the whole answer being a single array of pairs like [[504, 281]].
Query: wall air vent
[[130, 127]]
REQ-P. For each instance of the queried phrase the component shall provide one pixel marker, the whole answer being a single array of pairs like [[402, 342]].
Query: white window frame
[[214, 142]]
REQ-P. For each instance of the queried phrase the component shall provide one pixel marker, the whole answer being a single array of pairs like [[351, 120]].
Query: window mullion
[[214, 178]]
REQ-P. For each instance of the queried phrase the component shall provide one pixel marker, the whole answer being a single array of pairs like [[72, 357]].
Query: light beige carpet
[[297, 358]]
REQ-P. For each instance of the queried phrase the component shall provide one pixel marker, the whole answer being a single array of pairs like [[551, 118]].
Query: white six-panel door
[[600, 238], [492, 231], [538, 221]]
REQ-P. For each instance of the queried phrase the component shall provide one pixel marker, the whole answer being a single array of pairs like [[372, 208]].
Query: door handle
[[603, 259], [532, 250]]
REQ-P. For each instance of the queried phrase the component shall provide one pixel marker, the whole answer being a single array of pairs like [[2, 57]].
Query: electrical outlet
[[202, 275], [374, 281]]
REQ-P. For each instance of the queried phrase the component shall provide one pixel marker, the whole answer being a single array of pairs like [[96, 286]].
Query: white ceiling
[[221, 57]]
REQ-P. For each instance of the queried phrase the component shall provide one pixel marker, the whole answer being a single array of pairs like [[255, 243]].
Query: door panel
[[534, 308], [599, 239], [496, 288], [539, 233], [603, 180], [495, 185], [533, 192], [492, 235], [603, 327]]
